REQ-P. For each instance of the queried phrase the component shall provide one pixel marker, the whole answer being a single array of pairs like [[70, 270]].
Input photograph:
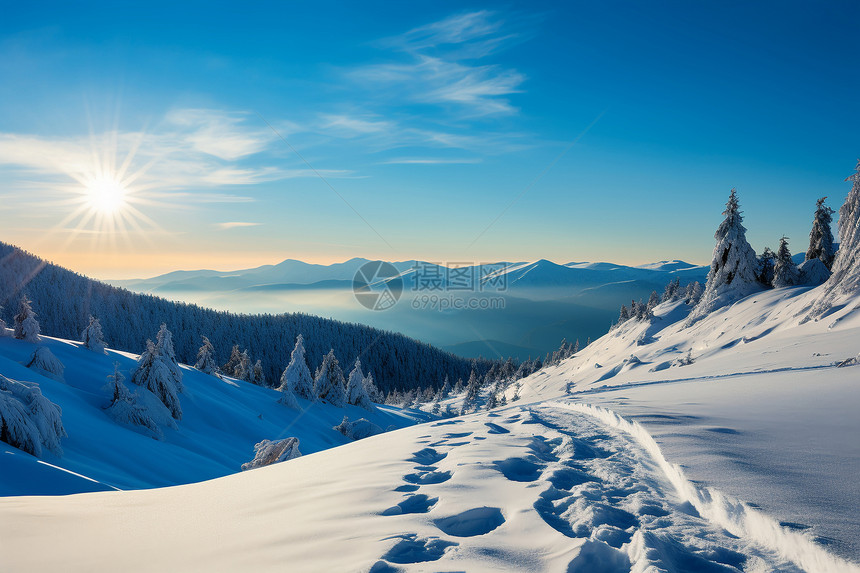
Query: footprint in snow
[[414, 549], [418, 503], [427, 457], [496, 429], [519, 469], [472, 522], [427, 478]]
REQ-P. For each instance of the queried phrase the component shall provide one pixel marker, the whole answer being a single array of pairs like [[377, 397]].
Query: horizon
[[428, 131]]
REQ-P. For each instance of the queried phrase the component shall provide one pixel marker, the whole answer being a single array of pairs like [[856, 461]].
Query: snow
[[624, 457]]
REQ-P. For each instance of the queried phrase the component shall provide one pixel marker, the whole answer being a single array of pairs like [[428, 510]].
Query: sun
[[106, 195]]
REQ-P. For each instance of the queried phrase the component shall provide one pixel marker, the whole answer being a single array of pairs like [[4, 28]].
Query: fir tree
[[765, 266], [164, 345], [154, 375], [784, 271], [446, 388], [92, 336], [329, 382], [653, 300], [733, 268], [371, 389], [297, 377], [235, 358], [26, 325], [821, 237], [257, 375], [242, 370], [125, 407], [206, 358], [355, 392]]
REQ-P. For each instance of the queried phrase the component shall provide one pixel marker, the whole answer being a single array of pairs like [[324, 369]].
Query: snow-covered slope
[[221, 422]]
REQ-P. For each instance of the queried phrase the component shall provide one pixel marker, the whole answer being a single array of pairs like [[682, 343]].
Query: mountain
[[64, 301], [527, 307]]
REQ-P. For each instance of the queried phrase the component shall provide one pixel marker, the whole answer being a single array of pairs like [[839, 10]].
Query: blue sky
[[444, 131]]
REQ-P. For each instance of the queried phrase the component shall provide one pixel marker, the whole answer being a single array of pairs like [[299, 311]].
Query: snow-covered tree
[[670, 293], [845, 280], [371, 389], [44, 362], [26, 325], [206, 358], [693, 293], [733, 268], [235, 358], [28, 420], [297, 377], [242, 371], [813, 272], [164, 345], [624, 315], [270, 452], [473, 389], [125, 407], [785, 272], [154, 375], [329, 382], [821, 237], [446, 388], [92, 336], [459, 387], [355, 392], [765, 266], [257, 375]]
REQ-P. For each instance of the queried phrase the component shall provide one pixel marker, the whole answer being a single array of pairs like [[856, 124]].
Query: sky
[[135, 140]]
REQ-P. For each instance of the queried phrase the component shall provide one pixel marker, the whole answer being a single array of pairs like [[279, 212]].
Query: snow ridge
[[735, 516]]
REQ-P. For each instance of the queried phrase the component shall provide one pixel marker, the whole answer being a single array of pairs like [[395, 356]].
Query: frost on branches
[[329, 382], [355, 392], [126, 408], [44, 362], [92, 336], [28, 420], [270, 452], [845, 280], [733, 273]]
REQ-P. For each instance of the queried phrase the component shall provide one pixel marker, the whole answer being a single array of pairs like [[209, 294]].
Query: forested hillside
[[64, 301]]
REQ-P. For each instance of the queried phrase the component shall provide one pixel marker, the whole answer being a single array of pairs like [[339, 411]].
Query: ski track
[[603, 492]]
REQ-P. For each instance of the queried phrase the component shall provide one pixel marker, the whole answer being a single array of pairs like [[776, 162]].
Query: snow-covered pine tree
[[92, 336], [355, 392], [154, 375], [473, 389], [733, 268], [242, 371], [670, 293], [257, 375], [125, 407], [235, 358], [785, 272], [821, 237], [765, 266], [164, 345], [693, 293], [446, 388], [371, 389], [206, 358], [44, 361], [845, 280], [623, 315], [28, 420], [653, 300], [329, 382], [458, 387], [492, 400], [26, 325], [297, 377]]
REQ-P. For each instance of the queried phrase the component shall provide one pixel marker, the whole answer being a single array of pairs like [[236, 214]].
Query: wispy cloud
[[441, 66], [235, 225], [430, 161]]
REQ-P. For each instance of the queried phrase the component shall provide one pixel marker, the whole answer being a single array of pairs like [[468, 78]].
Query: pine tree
[[26, 325], [206, 358], [297, 377], [623, 316], [765, 266], [733, 268], [653, 300], [473, 389], [257, 375], [154, 375], [242, 370], [446, 388], [458, 387], [92, 336], [821, 237], [371, 389], [235, 358], [164, 345], [329, 382], [784, 271], [355, 392], [125, 407]]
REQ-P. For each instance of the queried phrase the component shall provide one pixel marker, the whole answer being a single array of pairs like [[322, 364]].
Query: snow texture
[[44, 362]]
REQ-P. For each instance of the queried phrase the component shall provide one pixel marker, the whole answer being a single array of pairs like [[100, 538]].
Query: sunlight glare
[[106, 195]]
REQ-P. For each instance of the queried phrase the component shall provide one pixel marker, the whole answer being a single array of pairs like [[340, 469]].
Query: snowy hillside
[[222, 420]]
